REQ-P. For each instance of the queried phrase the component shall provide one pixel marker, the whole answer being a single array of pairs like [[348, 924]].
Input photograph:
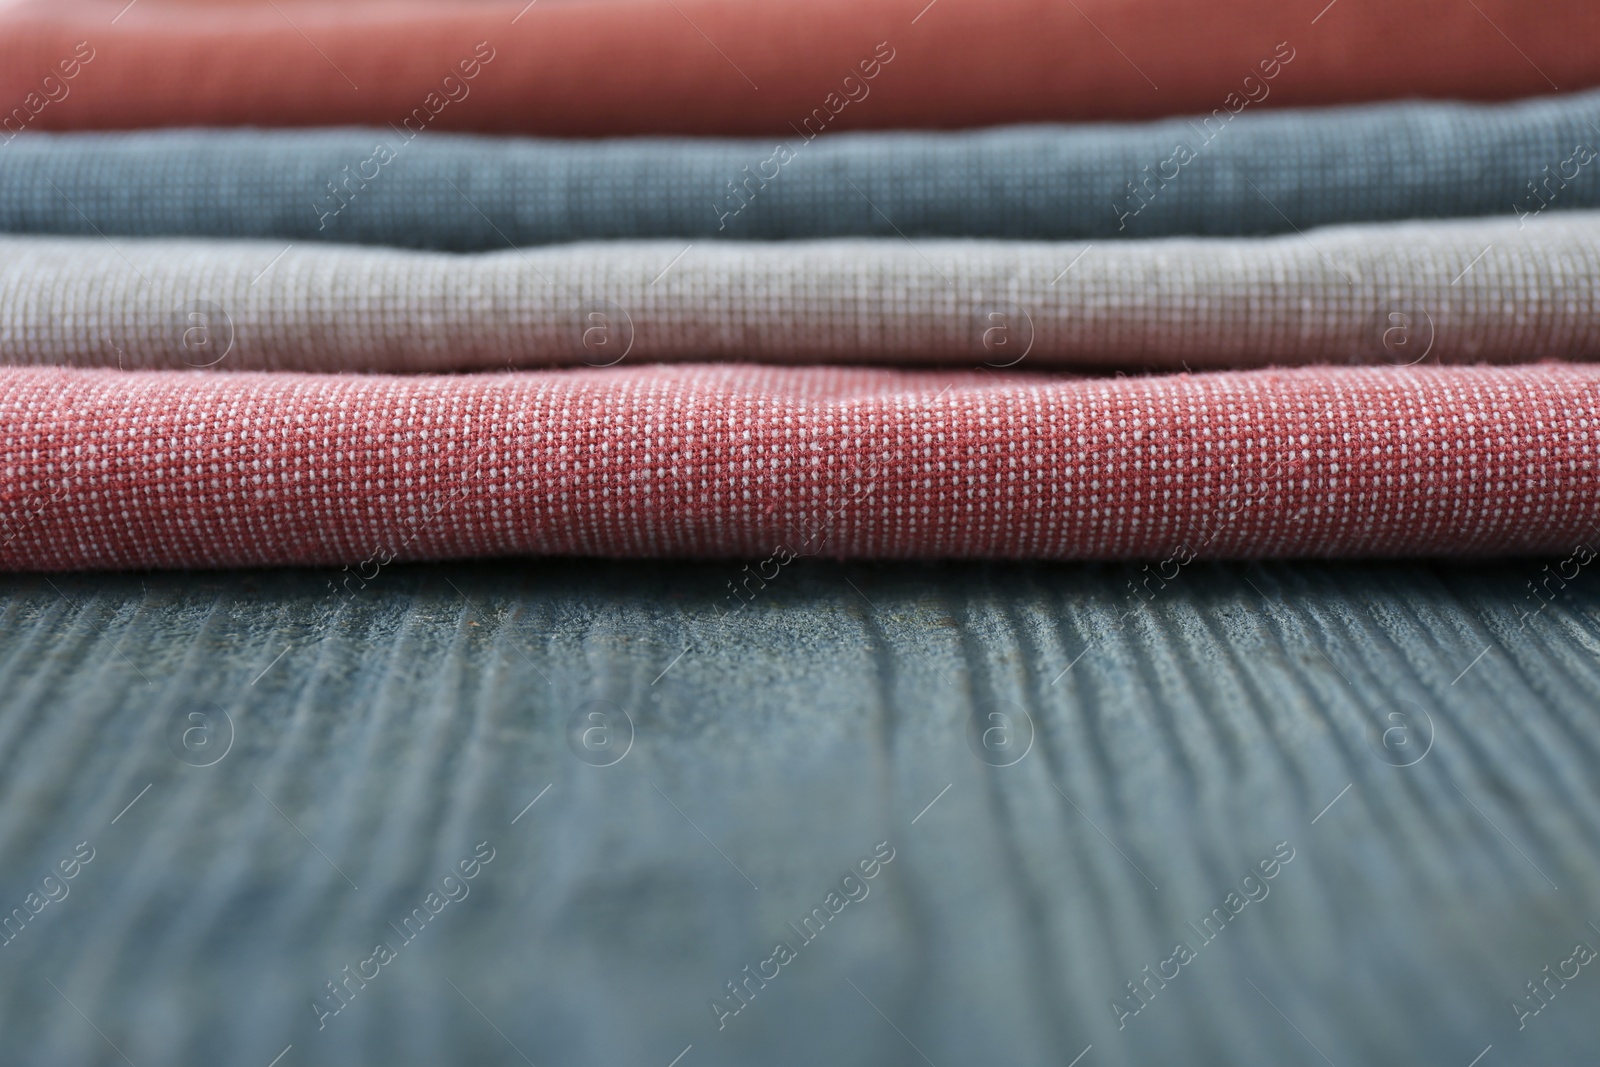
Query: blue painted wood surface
[[1073, 768]]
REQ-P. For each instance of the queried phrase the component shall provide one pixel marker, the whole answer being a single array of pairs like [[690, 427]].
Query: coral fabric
[[162, 469], [1259, 172], [732, 66], [1500, 290]]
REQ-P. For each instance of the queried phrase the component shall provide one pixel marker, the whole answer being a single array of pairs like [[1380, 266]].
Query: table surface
[[255, 778]]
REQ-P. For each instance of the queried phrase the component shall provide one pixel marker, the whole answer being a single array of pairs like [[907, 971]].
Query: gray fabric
[[1457, 291], [379, 739], [1266, 172]]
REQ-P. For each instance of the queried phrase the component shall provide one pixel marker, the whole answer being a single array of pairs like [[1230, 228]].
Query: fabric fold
[[729, 67], [103, 469], [1212, 175], [1495, 290]]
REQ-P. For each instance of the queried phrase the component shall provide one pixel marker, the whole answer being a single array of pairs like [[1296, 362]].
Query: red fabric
[[101, 468], [763, 66]]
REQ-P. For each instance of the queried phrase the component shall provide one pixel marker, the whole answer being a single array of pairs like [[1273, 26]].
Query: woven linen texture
[[104, 468], [1261, 172], [1498, 290], [723, 66]]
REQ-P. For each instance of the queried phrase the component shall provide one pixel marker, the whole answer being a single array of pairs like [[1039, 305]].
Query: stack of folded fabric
[[968, 278]]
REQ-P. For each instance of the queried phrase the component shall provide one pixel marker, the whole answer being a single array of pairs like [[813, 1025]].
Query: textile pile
[[295, 283]]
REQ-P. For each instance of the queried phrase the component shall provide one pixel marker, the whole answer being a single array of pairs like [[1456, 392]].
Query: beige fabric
[[1458, 291]]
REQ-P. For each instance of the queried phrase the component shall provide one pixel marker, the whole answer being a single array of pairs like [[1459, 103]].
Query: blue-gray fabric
[[1258, 173], [273, 776]]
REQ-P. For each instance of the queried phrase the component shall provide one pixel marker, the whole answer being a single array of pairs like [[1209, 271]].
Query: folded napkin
[[731, 66], [1253, 173], [101, 468], [1502, 290]]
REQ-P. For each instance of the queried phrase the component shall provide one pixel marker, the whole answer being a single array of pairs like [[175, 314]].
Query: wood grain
[[378, 739]]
